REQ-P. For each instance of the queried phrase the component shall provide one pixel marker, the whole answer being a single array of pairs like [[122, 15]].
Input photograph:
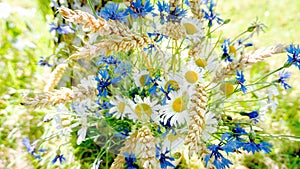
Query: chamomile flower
[[210, 125], [192, 73], [144, 109], [193, 29], [176, 110], [120, 107], [141, 78]]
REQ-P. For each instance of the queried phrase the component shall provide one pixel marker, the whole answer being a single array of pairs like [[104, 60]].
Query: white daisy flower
[[89, 82], [193, 29], [141, 78], [273, 102], [211, 124], [81, 133], [143, 109], [120, 109], [177, 109], [174, 142], [192, 73], [172, 80]]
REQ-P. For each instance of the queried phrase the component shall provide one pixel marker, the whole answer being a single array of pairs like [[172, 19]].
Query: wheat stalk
[[81, 92], [195, 9], [193, 140], [129, 146], [146, 142], [55, 77], [248, 59], [173, 30]]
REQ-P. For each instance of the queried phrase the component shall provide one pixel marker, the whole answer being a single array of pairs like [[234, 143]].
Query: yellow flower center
[[179, 104], [121, 107], [190, 28], [232, 49], [227, 88], [201, 62], [173, 137], [173, 84], [191, 76], [142, 109], [143, 79]]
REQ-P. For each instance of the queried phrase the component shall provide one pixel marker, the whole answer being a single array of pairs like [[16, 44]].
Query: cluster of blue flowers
[[31, 149], [62, 28], [104, 79], [231, 142]]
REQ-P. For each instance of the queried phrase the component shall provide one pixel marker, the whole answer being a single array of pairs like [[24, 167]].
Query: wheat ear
[[248, 59], [197, 123]]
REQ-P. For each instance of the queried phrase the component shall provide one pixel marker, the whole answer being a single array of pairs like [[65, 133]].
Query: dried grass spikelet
[[120, 43], [126, 43], [197, 123], [129, 146], [98, 25], [195, 9], [146, 147], [262, 53], [55, 77], [48, 98], [88, 51], [173, 30], [248, 59], [81, 92]]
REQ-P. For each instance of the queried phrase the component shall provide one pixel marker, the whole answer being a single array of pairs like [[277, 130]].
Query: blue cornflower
[[211, 15], [220, 162], [123, 69], [31, 148], [59, 157], [164, 160], [163, 9], [137, 9], [240, 42], [61, 29], [152, 81], [104, 81], [254, 115], [176, 15], [238, 131], [104, 105], [130, 161], [253, 147], [44, 62], [157, 36], [233, 142], [166, 15], [166, 94], [241, 80], [294, 55], [110, 60], [283, 76], [112, 11], [232, 145], [225, 47]]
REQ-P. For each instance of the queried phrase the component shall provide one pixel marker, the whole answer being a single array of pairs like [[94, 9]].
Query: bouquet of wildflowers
[[160, 88]]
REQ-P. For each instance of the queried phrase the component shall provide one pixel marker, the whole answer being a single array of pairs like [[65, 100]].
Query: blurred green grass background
[[24, 37]]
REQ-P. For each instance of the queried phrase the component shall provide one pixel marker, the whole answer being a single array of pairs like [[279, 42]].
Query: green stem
[[270, 73], [91, 6], [280, 136]]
